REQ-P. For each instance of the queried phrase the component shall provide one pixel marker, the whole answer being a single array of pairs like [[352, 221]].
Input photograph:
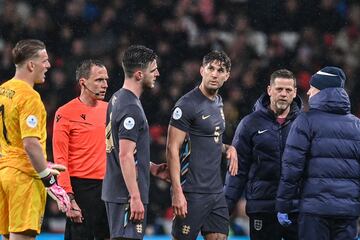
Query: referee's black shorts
[[95, 224]]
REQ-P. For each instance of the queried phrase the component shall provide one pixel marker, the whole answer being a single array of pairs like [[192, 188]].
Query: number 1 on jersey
[[2, 111]]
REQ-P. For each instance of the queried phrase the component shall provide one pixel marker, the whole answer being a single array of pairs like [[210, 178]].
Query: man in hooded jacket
[[321, 159]]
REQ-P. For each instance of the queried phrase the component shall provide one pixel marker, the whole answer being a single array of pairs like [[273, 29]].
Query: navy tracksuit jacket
[[259, 140]]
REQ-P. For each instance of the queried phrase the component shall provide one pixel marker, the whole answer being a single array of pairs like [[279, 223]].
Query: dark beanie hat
[[328, 77]]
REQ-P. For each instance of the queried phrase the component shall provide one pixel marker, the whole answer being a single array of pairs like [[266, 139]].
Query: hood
[[332, 100], [263, 103]]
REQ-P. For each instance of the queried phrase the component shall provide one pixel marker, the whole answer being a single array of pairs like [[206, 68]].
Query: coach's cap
[[328, 77]]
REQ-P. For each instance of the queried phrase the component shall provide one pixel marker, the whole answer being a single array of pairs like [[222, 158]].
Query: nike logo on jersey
[[83, 116], [262, 131], [203, 117]]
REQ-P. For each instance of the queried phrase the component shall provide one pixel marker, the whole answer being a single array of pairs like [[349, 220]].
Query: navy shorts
[[207, 213], [119, 223]]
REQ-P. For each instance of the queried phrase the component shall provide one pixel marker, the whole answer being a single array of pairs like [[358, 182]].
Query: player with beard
[[194, 152], [127, 179], [260, 141]]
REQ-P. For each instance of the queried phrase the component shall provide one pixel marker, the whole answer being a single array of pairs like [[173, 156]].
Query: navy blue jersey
[[203, 120], [126, 120]]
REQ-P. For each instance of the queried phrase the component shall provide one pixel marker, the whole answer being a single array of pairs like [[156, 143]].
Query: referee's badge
[[257, 224]]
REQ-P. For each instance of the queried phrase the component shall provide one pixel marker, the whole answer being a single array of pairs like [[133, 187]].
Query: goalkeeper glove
[[48, 175], [55, 191], [60, 196]]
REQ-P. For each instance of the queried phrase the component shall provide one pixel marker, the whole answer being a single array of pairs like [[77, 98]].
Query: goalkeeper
[[24, 172]]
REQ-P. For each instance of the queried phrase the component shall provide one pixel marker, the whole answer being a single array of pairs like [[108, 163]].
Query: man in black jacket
[[260, 140]]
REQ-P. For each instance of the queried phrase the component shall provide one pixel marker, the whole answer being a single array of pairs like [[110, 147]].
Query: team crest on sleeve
[[32, 121], [129, 123], [177, 113]]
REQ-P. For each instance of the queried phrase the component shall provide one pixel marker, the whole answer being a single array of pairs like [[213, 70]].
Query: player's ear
[[30, 66], [269, 90], [227, 76], [138, 75], [202, 70], [81, 82]]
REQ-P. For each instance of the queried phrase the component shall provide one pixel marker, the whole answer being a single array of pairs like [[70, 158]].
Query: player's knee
[[215, 236], [25, 235]]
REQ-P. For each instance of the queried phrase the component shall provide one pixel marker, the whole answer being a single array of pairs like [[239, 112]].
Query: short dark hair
[[220, 56], [26, 49], [84, 68], [282, 73], [137, 56]]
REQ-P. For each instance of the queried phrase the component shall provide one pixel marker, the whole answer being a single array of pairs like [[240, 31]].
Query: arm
[[160, 171], [293, 163], [234, 185], [34, 151], [175, 140], [231, 155], [60, 143], [128, 169], [31, 131], [37, 159]]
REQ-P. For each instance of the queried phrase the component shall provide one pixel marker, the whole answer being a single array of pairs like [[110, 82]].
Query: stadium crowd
[[260, 37]]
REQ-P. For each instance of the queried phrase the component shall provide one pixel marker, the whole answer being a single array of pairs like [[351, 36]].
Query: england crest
[[257, 224], [139, 228], [185, 229]]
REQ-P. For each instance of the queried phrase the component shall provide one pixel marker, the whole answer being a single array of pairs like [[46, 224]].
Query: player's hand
[[160, 171], [55, 169], [231, 156], [74, 212], [60, 196], [179, 204], [137, 211]]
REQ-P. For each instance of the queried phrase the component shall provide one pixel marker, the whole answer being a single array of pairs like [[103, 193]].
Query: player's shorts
[[207, 213], [87, 194], [22, 202], [119, 223]]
